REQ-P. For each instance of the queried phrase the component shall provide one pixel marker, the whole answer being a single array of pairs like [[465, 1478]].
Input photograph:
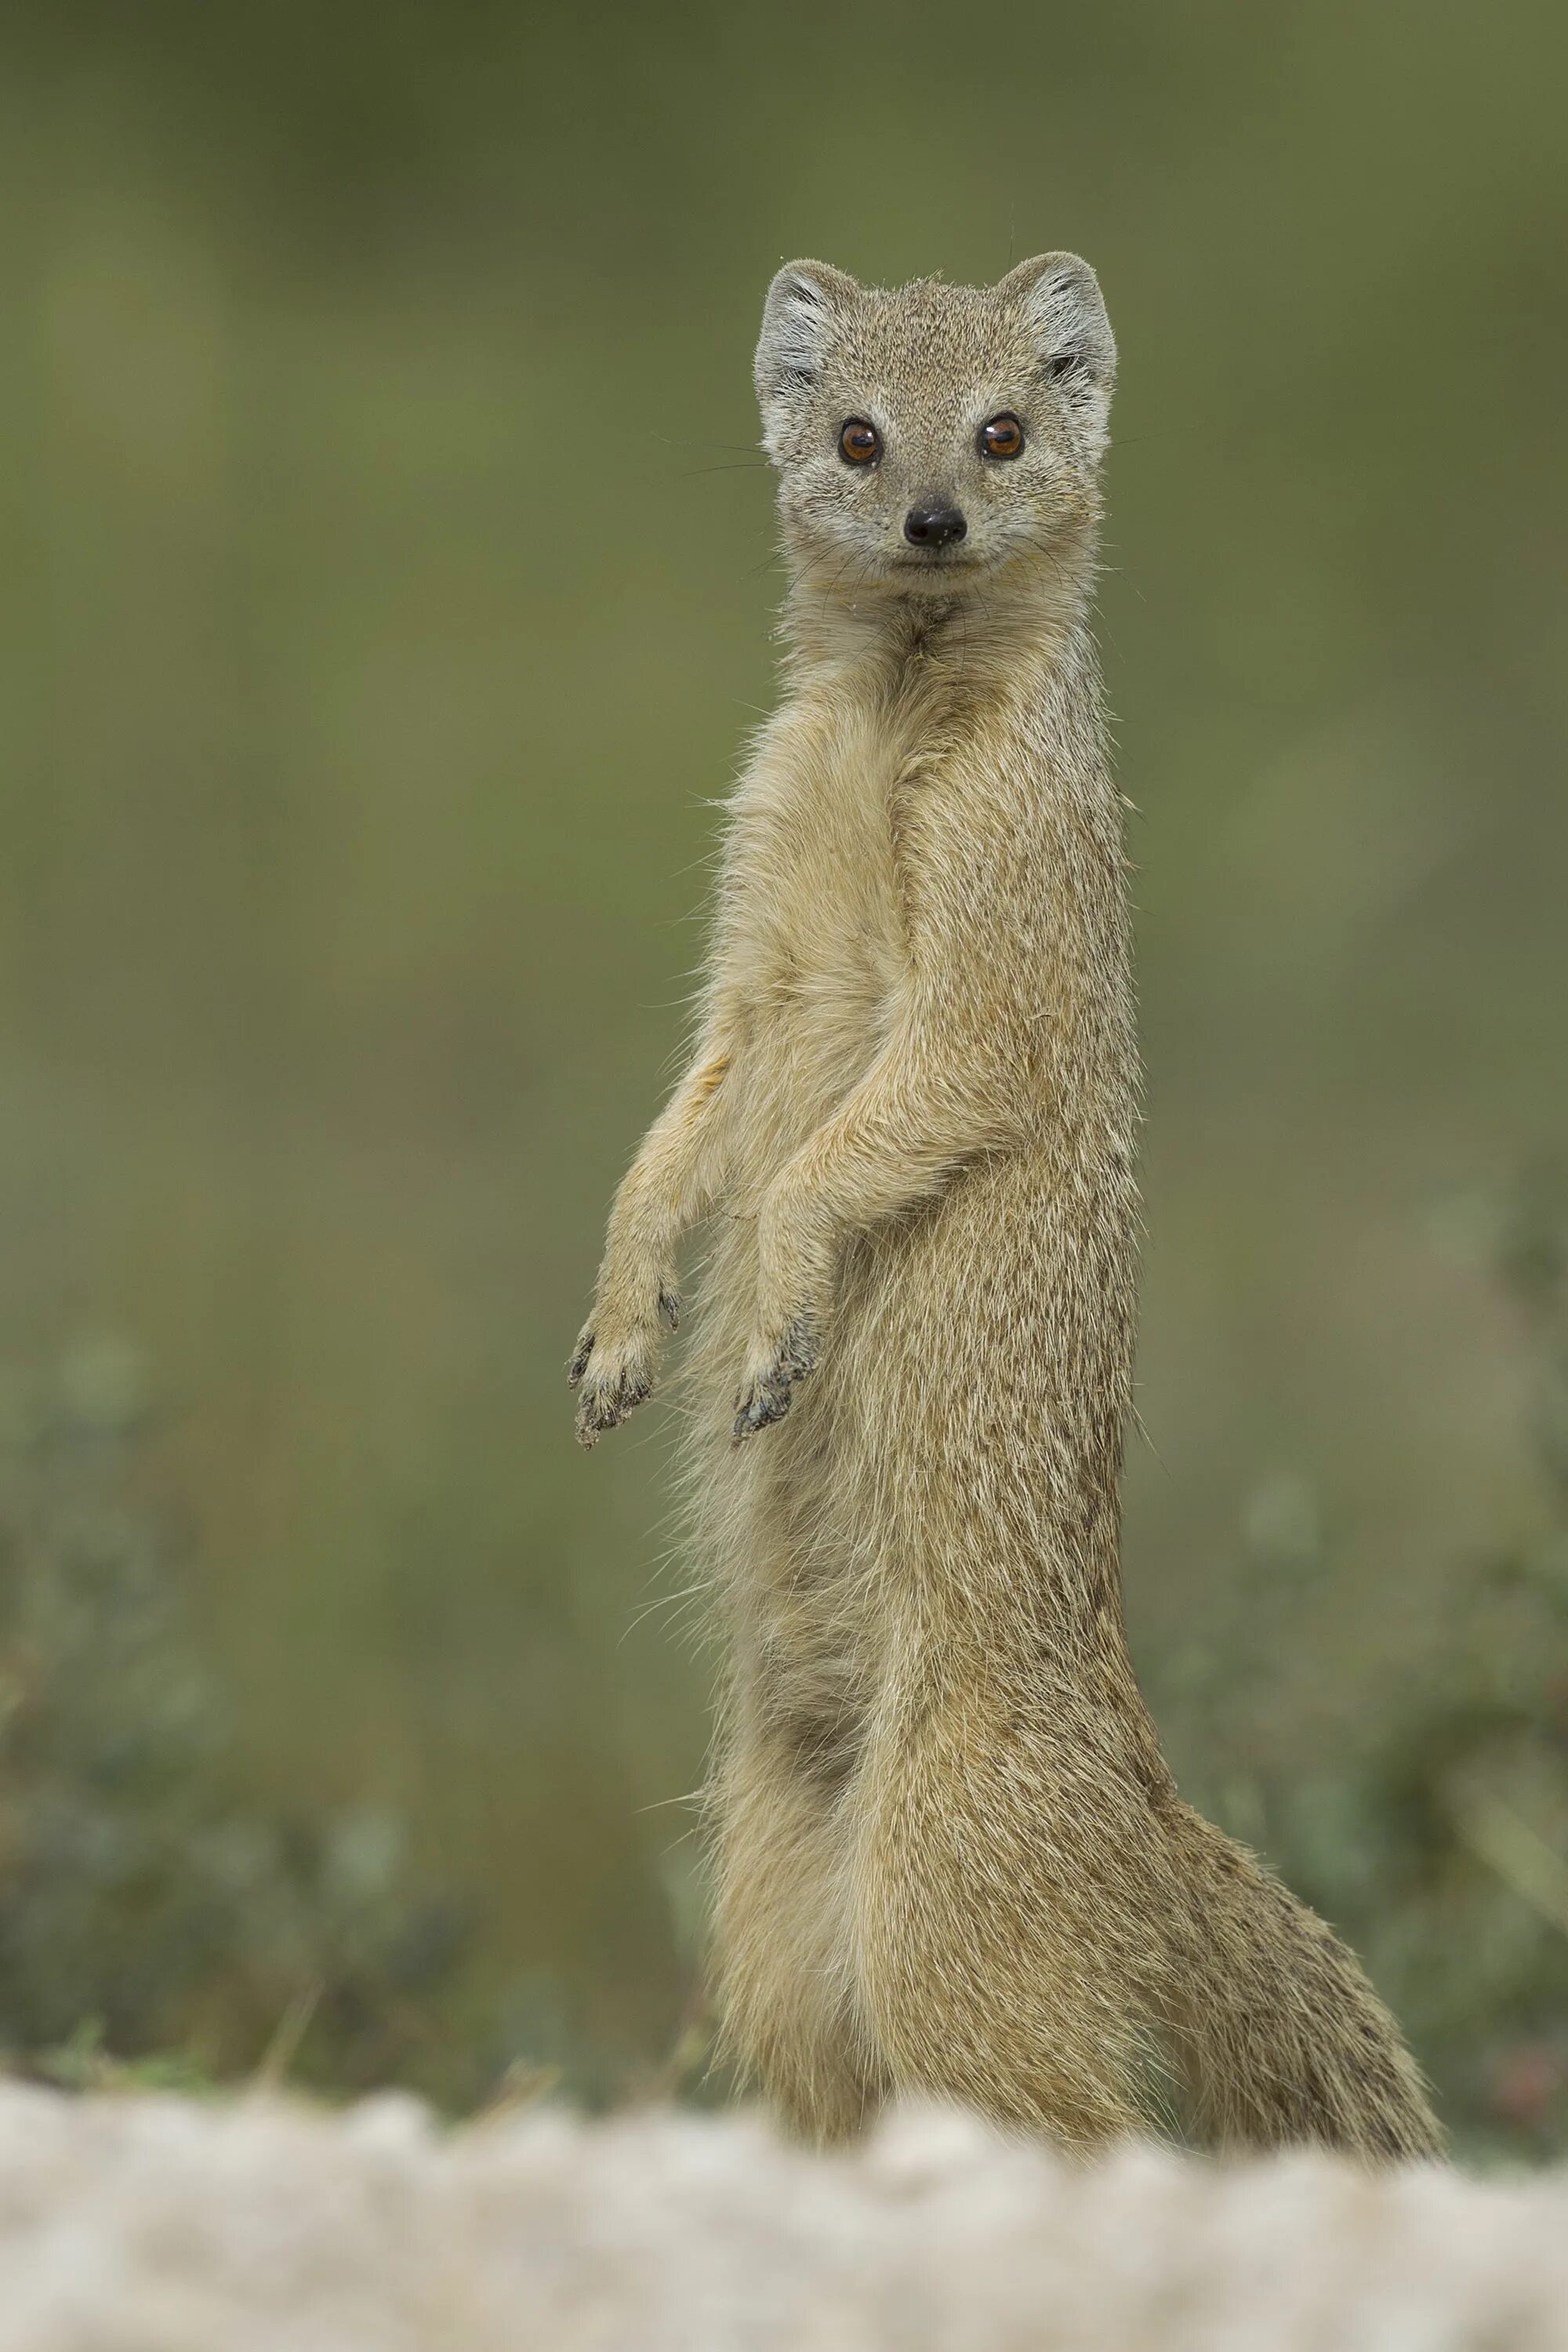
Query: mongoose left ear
[[1060, 296], [802, 303]]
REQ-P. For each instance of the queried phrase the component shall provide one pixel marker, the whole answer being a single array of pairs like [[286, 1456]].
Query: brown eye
[[1003, 437], [860, 442]]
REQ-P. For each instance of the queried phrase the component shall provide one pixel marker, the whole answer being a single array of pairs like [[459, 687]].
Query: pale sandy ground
[[153, 2224]]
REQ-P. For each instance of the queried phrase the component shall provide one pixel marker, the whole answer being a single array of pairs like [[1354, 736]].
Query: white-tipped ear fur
[[1060, 297], [803, 301]]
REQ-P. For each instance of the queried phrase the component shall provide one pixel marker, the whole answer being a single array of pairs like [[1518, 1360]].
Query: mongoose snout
[[933, 526]]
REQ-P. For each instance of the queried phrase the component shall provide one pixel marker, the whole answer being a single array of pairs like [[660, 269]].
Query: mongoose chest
[[814, 936]]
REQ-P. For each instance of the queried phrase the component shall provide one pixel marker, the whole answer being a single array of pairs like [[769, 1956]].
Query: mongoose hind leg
[[993, 1941], [782, 1940]]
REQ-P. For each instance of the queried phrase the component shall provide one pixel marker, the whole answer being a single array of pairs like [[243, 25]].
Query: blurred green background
[[386, 594]]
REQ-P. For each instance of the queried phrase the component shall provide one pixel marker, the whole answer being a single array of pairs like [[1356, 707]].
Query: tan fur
[[949, 1856]]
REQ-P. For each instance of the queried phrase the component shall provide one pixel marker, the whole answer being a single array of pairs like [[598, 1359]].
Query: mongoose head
[[934, 437]]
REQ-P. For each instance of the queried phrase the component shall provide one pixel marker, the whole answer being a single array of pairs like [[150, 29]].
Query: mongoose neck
[[988, 627]]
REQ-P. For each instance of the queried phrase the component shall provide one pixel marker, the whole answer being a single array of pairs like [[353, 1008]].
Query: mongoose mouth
[[936, 559], [939, 556]]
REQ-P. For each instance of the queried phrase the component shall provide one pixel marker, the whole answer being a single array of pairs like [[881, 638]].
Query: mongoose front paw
[[612, 1378], [765, 1393]]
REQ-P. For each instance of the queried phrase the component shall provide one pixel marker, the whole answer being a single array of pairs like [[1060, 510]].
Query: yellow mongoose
[[950, 1858]]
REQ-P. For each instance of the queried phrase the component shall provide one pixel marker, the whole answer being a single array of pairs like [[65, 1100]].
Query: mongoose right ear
[[1060, 296], [803, 303]]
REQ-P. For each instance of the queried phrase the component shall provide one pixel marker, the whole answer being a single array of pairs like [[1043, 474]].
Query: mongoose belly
[[967, 1409]]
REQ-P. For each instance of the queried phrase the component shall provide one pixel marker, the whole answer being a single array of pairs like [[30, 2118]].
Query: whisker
[[734, 448]]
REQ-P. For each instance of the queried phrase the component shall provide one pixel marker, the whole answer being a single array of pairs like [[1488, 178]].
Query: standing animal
[[949, 1856]]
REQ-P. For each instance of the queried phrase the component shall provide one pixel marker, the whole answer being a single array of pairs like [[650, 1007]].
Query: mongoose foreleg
[[669, 1185]]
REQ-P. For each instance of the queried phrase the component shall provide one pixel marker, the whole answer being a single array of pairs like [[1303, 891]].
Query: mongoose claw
[[610, 1383], [766, 1397], [605, 1402], [761, 1402]]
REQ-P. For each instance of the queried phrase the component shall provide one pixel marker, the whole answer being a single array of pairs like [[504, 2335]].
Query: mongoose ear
[[803, 300], [1060, 298]]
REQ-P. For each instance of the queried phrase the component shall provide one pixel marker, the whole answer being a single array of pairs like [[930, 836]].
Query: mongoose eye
[[860, 442], [1003, 437]]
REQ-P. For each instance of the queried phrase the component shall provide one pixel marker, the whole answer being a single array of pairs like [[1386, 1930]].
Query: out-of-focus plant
[[1430, 1824], [158, 1926], [147, 1904]]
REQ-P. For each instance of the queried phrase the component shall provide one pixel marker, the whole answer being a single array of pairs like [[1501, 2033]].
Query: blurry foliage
[[147, 1904], [158, 1929], [1426, 1817]]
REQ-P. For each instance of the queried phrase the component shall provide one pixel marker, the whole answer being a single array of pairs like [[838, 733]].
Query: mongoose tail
[[1277, 2033]]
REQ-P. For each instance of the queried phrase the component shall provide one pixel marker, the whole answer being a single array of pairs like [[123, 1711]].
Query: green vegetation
[[1430, 1818], [145, 1906], [157, 1928], [385, 590]]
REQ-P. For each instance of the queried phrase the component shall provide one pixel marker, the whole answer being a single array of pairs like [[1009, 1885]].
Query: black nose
[[933, 526]]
